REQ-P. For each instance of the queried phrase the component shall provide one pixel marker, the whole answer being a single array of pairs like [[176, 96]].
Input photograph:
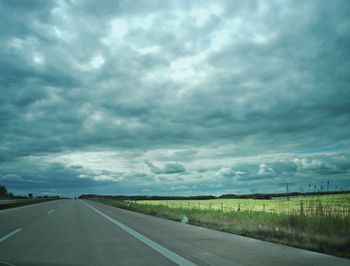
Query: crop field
[[336, 205]]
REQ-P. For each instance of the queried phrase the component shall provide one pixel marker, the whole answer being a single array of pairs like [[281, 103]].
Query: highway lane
[[67, 232], [76, 232]]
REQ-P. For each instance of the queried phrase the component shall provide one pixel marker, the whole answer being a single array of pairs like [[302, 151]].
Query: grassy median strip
[[21, 203], [329, 235]]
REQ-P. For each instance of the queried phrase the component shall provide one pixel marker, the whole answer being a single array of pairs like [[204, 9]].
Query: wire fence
[[339, 207]]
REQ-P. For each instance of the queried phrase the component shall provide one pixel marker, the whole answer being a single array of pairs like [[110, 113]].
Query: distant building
[[30, 195]]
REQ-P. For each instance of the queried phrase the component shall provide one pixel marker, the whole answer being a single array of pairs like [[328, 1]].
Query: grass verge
[[329, 235]]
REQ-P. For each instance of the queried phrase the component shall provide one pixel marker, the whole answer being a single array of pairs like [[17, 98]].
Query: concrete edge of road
[[179, 260]]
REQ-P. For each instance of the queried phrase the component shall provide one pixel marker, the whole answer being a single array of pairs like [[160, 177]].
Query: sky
[[174, 97]]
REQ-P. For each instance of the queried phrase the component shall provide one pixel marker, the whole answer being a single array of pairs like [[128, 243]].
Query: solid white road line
[[51, 211], [160, 249], [10, 234]]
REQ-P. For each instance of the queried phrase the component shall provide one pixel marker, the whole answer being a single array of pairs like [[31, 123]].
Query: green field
[[322, 205]]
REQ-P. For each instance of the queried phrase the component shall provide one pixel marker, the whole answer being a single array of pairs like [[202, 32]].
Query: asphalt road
[[76, 232]]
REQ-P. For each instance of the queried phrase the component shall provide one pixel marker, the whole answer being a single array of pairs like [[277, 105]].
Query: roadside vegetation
[[8, 200], [322, 233]]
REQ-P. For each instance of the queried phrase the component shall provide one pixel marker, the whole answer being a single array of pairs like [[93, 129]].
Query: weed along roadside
[[326, 234]]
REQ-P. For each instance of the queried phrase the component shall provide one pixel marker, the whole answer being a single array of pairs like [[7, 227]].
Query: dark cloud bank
[[157, 97]]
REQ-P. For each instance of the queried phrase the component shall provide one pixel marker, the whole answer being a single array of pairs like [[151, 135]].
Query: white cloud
[[149, 50], [107, 178], [93, 64], [265, 170], [202, 15], [97, 61], [312, 164], [118, 28], [229, 172]]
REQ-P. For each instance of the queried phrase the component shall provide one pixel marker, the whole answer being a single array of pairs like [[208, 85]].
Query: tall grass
[[325, 234]]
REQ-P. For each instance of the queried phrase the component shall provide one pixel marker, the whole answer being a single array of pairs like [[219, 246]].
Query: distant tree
[[3, 191]]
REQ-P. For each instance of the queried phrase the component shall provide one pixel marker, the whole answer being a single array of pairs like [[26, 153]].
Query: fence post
[[239, 207], [264, 207], [301, 207]]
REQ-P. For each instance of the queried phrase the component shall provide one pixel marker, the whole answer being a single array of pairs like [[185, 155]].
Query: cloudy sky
[[174, 97]]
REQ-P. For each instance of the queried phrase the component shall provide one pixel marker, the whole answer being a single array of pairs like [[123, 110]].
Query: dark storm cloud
[[44, 177], [168, 168], [200, 84]]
